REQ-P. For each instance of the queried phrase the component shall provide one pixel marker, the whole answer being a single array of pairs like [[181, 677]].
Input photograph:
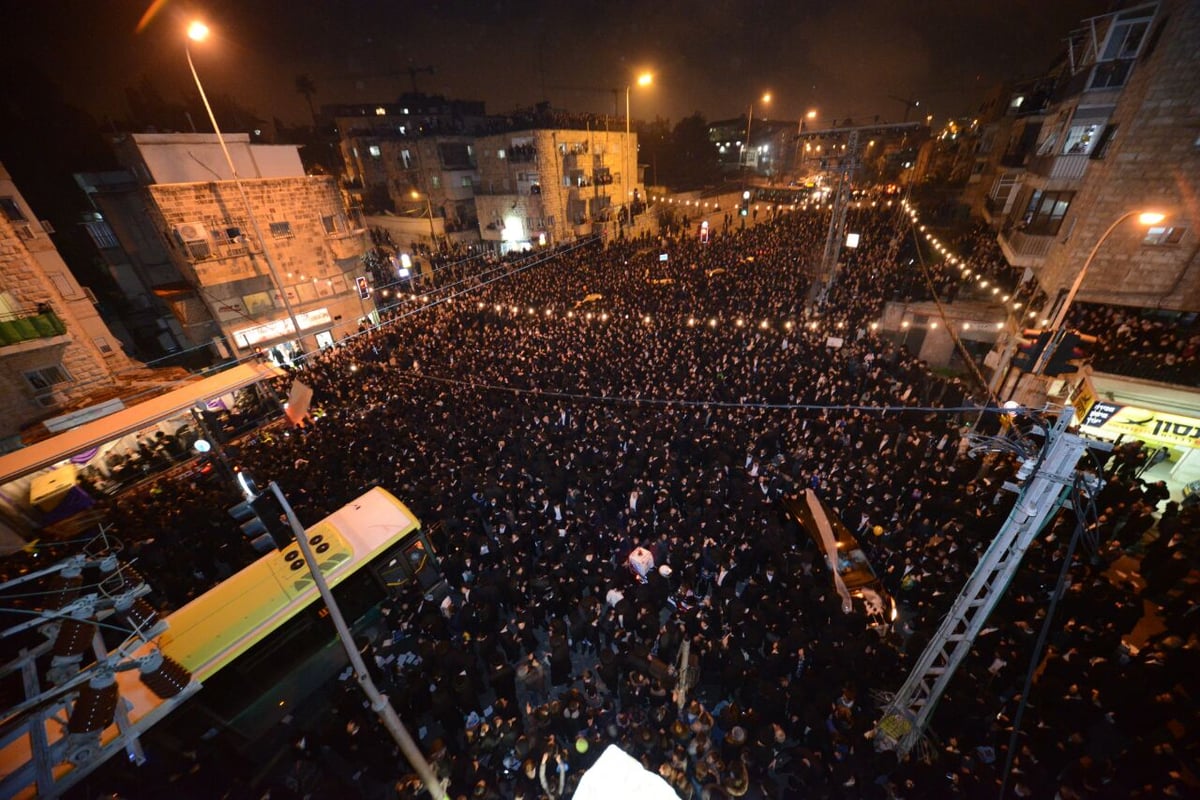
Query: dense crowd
[[1158, 346], [607, 400]]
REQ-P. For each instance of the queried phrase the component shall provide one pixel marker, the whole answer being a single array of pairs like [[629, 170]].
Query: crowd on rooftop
[[604, 400]]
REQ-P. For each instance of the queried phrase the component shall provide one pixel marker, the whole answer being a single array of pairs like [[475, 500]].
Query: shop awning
[[130, 420]]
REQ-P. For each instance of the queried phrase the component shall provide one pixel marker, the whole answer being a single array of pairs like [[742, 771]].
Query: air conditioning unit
[[24, 231], [191, 232], [46, 226]]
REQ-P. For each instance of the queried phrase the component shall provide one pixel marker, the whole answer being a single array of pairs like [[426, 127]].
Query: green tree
[[307, 87]]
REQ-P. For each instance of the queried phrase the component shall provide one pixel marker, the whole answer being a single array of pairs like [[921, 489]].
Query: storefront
[[275, 338], [1165, 419]]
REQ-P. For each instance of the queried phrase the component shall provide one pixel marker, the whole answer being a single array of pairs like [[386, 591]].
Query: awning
[[50, 451]]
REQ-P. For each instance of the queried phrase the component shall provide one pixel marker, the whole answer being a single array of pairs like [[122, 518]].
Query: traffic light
[[1066, 359], [263, 522], [1029, 348], [745, 203]]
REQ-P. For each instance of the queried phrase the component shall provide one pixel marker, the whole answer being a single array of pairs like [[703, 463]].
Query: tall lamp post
[[766, 98], [645, 79], [1146, 219], [415, 195], [198, 32]]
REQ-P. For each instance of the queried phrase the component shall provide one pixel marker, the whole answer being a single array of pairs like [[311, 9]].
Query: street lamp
[[197, 32], [645, 79], [766, 98], [415, 195], [1145, 218]]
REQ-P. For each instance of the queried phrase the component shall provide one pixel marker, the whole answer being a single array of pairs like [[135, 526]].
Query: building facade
[[55, 351], [252, 275], [550, 185]]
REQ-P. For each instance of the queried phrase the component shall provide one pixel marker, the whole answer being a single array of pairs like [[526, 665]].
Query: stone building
[[1143, 154], [1118, 135], [55, 350], [413, 159], [299, 224], [548, 185]]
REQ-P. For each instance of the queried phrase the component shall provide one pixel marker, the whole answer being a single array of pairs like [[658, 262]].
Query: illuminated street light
[[197, 32], [1145, 219], [415, 195], [766, 99]]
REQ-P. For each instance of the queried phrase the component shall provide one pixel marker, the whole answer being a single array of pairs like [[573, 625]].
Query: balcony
[[1060, 168], [30, 329], [1023, 249]]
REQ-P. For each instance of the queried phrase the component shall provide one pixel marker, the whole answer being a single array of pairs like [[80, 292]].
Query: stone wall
[[1152, 164]]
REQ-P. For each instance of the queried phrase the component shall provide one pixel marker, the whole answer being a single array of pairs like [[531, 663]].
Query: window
[[281, 230], [500, 154], [374, 151], [406, 158], [44, 379], [1126, 34], [435, 181], [1104, 141], [466, 182], [1045, 213], [11, 210], [1164, 235], [257, 303], [102, 345], [330, 222], [1081, 138]]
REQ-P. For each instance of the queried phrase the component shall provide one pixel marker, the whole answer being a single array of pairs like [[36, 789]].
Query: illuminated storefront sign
[[1112, 418], [279, 328]]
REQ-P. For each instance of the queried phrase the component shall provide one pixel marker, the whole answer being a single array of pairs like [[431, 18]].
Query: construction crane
[[1050, 480], [909, 103], [412, 71], [616, 93]]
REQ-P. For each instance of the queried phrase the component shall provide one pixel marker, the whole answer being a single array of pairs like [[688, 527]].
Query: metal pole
[[625, 182], [1061, 316], [749, 122], [379, 702], [237, 181]]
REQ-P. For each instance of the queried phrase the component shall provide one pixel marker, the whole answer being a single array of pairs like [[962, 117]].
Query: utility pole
[[379, 702], [907, 715]]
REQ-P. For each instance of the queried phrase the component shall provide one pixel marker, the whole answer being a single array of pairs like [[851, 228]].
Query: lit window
[[380, 111], [1081, 138], [435, 181], [1162, 234], [374, 151], [466, 182], [500, 153]]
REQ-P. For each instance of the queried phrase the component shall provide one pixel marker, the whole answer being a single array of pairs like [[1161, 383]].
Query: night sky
[[844, 57]]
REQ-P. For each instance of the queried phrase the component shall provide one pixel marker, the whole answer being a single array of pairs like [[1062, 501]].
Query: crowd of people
[[605, 400], [1160, 347]]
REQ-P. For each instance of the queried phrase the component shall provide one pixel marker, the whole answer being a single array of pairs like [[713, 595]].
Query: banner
[[299, 400], [817, 509]]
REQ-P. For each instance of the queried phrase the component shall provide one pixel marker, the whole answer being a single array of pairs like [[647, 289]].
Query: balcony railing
[[1056, 167], [28, 325], [1023, 249]]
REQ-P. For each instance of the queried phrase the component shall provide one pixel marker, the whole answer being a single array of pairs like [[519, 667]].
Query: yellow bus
[[256, 644]]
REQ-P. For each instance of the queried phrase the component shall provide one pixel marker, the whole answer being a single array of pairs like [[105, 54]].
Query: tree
[[307, 87]]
